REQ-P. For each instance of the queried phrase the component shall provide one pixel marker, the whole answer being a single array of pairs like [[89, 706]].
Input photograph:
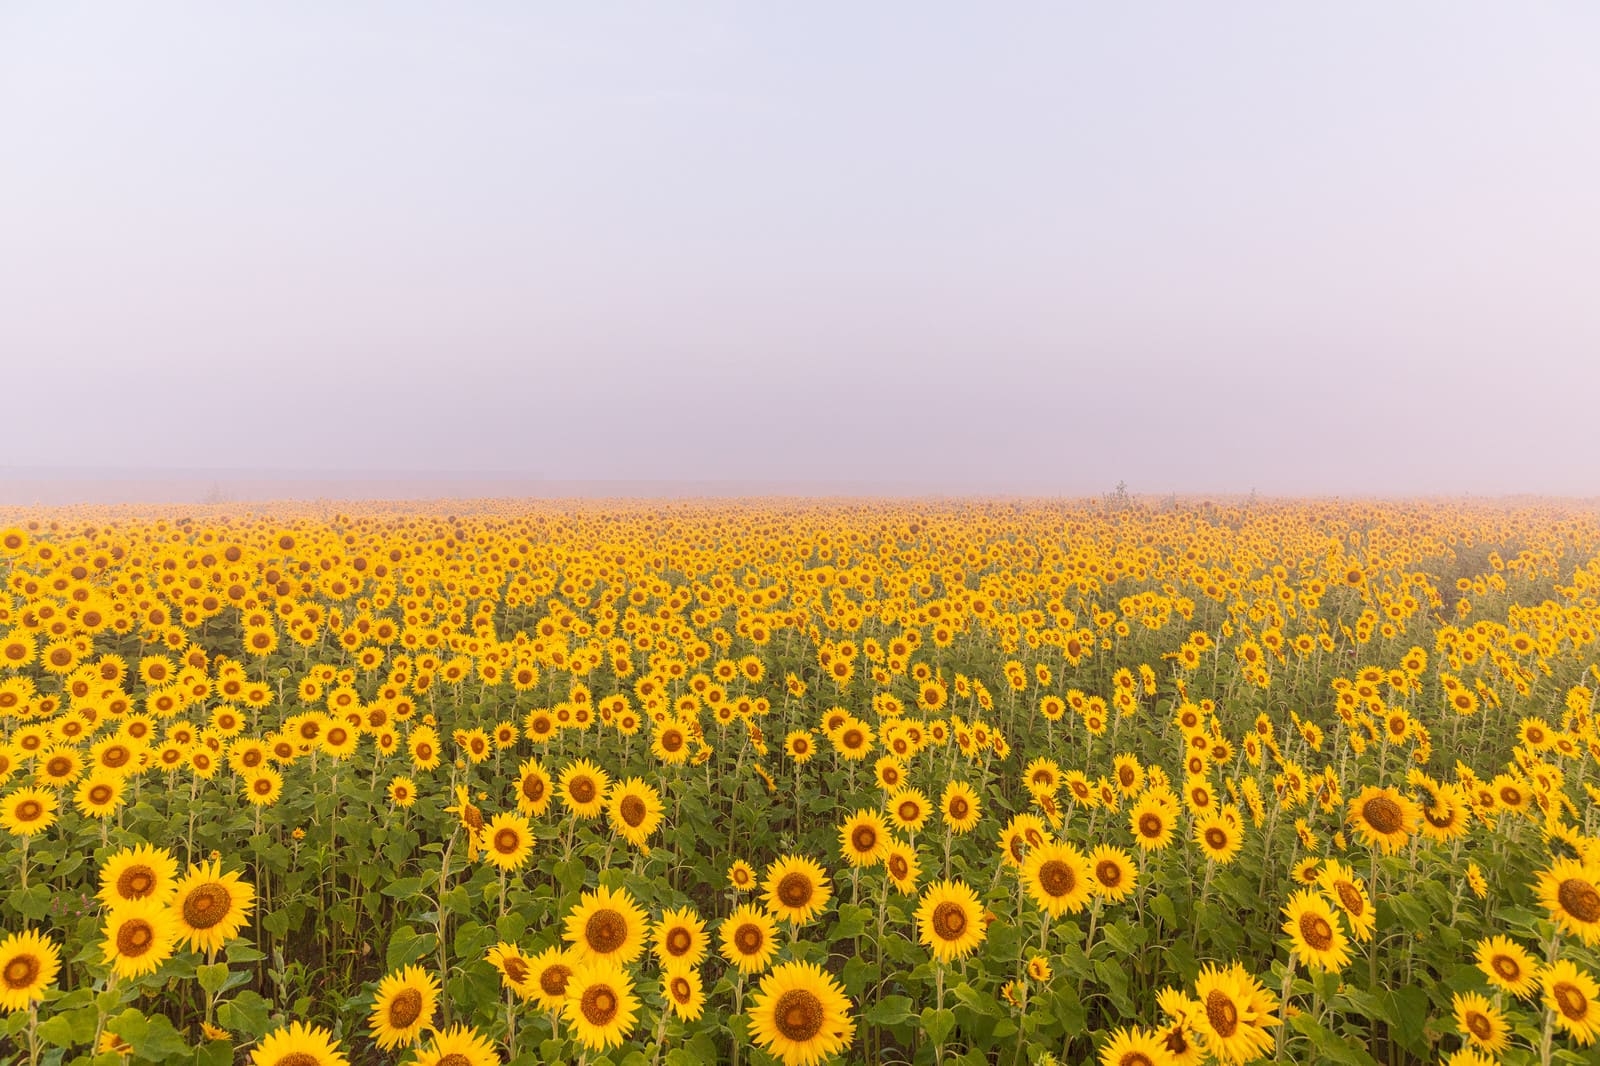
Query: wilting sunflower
[[1314, 927], [749, 939], [403, 1007], [1508, 966], [1383, 818], [1219, 837], [458, 1046], [28, 811], [1153, 819], [606, 925], [1058, 878], [507, 840], [684, 992], [863, 838], [1114, 873], [1350, 893], [516, 969], [1568, 891], [139, 937], [1481, 1022], [298, 1044], [210, 907], [583, 789], [680, 938], [634, 809], [960, 807], [800, 1014], [1135, 1047], [139, 872], [534, 790], [796, 889], [1574, 998], [29, 962], [600, 1004], [950, 920], [1235, 1013], [548, 975]]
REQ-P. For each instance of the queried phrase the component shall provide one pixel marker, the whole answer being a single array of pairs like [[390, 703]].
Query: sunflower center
[[671, 740], [582, 789], [29, 810], [898, 867], [101, 794], [1108, 873], [633, 810], [958, 808], [1350, 897], [1057, 878], [748, 939], [1479, 1025], [21, 971], [515, 969], [455, 1058], [1125, 775], [533, 787], [795, 890], [864, 838], [950, 920], [1135, 1058], [506, 841], [297, 1058], [1216, 839], [405, 1009], [909, 811], [599, 1005], [605, 931], [1315, 931], [205, 906], [553, 981], [1570, 998], [1579, 899], [136, 882], [798, 1015], [1506, 967], [135, 937], [1222, 1013], [1383, 814], [1150, 825], [680, 989]]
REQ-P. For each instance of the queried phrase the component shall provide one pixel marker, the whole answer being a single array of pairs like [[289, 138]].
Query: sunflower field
[[796, 782]]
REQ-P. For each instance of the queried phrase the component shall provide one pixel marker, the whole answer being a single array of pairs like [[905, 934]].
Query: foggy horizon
[[1033, 250]]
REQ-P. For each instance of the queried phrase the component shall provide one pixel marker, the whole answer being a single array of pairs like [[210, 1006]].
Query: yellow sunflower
[[139, 872], [1573, 998], [634, 810], [950, 920], [298, 1044], [1236, 1013], [99, 795], [1508, 966], [1153, 819], [1219, 837], [461, 1045], [600, 1004], [210, 907], [507, 841], [29, 962], [548, 975], [516, 969], [139, 937], [685, 994], [583, 789], [1115, 874], [960, 807], [863, 838], [1058, 878], [1135, 1047], [606, 925], [749, 939], [796, 889], [1383, 818], [901, 864], [1568, 891], [1341, 884], [1481, 1022], [800, 1014], [534, 790], [1314, 928], [680, 938], [28, 811], [403, 1006]]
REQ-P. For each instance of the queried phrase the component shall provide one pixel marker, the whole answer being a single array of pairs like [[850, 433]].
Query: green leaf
[[937, 1024], [888, 1011], [403, 888], [212, 977]]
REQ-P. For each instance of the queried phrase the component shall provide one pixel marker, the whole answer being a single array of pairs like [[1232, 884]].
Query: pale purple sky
[[1196, 247]]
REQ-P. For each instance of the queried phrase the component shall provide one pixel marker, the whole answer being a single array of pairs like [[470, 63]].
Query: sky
[[1046, 248]]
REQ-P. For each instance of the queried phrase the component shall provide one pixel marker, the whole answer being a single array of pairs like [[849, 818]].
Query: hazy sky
[[1206, 247]]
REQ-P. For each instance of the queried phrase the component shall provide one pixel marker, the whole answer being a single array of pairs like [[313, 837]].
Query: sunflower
[[680, 938], [548, 975], [1235, 1013], [1135, 1047], [403, 1006], [1219, 837], [459, 1046], [863, 838], [900, 863], [684, 993], [796, 889], [402, 791], [28, 811], [263, 787], [516, 969], [29, 962], [1481, 1022], [950, 920], [634, 810], [1341, 885], [741, 876], [1508, 966], [210, 906], [1039, 968], [140, 936], [749, 938], [99, 795], [1179, 1036], [1567, 889], [533, 788], [799, 745], [298, 1044], [136, 873], [1114, 873], [1572, 996], [507, 840], [606, 925], [57, 767], [1314, 928], [1153, 819], [800, 1014], [1058, 878], [583, 789], [908, 808], [600, 1004], [1383, 817], [960, 807]]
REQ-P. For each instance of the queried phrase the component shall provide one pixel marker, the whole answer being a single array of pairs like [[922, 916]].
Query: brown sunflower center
[[671, 740], [864, 838], [899, 867], [298, 1058], [748, 939], [950, 920], [553, 980], [136, 882], [1057, 878], [599, 1005], [1315, 931], [1216, 839], [1108, 873], [1479, 1025], [798, 1015], [1579, 899], [135, 937], [205, 906], [507, 840], [680, 988], [1350, 896], [633, 810], [1135, 1058], [30, 810], [795, 889], [582, 789], [405, 1009], [1151, 825], [958, 807], [1507, 967], [1570, 998], [605, 931], [1222, 1013], [533, 787], [516, 969], [21, 971], [679, 941], [1383, 814], [455, 1058]]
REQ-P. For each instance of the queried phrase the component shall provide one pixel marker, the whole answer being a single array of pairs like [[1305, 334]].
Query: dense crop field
[[799, 782]]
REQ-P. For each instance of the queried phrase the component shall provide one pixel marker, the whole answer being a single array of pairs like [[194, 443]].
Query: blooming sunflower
[[549, 973], [634, 810], [210, 907], [680, 938], [1383, 818], [139, 872], [583, 789], [950, 920], [1573, 998], [800, 1014], [1135, 1047], [749, 939], [298, 1044], [1058, 878], [682, 989], [1114, 872], [533, 788], [741, 876], [900, 863], [403, 1006], [796, 889], [1350, 893], [863, 838], [909, 809], [960, 807], [1507, 965], [461, 1045], [516, 969], [507, 840], [1153, 819], [139, 937], [1235, 1013], [29, 962], [1481, 1022], [600, 1004], [1314, 927], [1567, 889], [28, 811], [606, 925], [1219, 837]]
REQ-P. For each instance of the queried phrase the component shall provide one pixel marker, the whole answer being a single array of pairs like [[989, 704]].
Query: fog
[[920, 248]]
